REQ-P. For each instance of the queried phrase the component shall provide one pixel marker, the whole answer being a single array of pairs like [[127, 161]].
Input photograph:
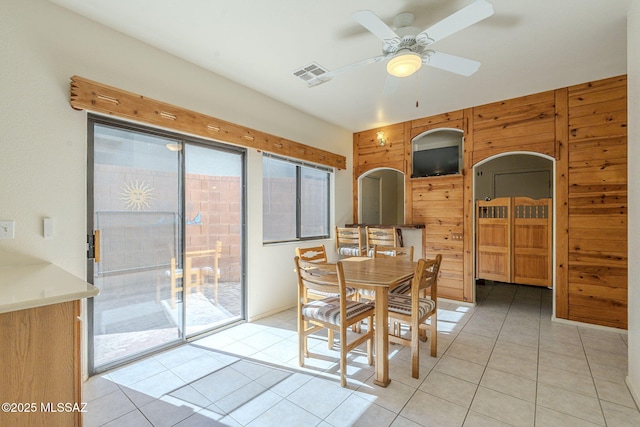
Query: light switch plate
[[47, 228], [7, 229]]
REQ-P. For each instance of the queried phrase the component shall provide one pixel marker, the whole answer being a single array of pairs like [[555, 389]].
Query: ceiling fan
[[406, 48]]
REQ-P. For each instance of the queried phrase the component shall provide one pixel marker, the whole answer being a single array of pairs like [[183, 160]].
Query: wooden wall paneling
[[97, 97], [408, 189], [561, 217], [468, 208], [538, 138], [354, 167], [444, 227], [520, 124], [598, 195], [451, 120], [371, 155], [515, 112], [584, 128], [438, 204]]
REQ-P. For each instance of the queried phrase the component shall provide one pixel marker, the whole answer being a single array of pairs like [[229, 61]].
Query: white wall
[[633, 75], [43, 140]]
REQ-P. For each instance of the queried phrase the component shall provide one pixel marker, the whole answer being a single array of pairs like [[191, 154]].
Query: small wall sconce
[[381, 139]]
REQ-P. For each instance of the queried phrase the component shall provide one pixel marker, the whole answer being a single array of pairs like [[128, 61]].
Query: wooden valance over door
[[100, 98], [514, 240]]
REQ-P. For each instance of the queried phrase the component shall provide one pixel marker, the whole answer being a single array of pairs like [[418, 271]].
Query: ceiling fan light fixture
[[404, 64]]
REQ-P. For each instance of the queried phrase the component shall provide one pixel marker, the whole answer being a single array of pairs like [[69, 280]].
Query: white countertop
[[35, 285]]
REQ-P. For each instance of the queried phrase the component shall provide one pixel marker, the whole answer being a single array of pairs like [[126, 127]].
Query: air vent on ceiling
[[312, 74]]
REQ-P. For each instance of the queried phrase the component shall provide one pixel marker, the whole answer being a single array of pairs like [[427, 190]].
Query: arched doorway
[[515, 175], [381, 198]]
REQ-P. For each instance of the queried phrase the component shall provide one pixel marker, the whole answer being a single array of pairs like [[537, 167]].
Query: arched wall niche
[[382, 196], [436, 152]]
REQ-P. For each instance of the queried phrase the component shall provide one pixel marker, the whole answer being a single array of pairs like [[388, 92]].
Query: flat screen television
[[436, 161]]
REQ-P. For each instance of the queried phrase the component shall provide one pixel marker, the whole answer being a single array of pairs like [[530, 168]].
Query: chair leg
[[434, 335], [343, 357], [370, 343], [423, 334], [330, 338], [302, 342], [415, 351]]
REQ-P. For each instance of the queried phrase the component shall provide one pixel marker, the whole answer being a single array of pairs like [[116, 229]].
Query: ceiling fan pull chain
[[417, 91]]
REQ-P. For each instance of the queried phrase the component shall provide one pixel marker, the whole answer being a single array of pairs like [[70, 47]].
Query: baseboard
[[589, 325], [455, 301]]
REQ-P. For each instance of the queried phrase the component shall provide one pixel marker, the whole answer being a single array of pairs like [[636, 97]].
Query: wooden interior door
[[532, 241], [493, 239]]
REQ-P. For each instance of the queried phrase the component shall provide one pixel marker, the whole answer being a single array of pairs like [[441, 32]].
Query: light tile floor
[[501, 363]]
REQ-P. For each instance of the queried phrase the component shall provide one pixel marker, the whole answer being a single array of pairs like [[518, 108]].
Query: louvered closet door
[[532, 241], [493, 239]]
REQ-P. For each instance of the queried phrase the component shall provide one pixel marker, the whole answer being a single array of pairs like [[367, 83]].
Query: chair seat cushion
[[401, 304], [350, 292], [328, 310], [404, 288], [386, 253], [350, 251]]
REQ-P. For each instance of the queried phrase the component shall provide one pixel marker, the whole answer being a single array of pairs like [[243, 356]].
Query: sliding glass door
[[213, 209], [165, 239]]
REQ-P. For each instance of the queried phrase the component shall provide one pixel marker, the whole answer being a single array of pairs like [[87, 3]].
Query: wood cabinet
[[40, 345], [40, 366]]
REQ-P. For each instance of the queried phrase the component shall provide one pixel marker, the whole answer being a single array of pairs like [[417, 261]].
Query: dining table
[[379, 275]]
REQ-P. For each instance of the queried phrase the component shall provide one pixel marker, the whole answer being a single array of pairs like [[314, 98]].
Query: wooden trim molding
[[562, 203], [97, 97]]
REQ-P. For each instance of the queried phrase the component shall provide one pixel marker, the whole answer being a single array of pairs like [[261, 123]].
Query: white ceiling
[[525, 47]]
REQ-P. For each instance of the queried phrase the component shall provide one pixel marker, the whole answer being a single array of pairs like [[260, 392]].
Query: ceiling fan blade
[[465, 17], [455, 64], [371, 22], [354, 65]]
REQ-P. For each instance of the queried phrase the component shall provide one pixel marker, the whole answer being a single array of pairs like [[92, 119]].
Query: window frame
[[298, 202]]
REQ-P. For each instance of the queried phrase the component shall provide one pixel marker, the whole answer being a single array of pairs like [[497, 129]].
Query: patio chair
[[336, 314], [197, 276]]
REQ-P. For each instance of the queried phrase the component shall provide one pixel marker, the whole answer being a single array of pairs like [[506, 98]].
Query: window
[[295, 200]]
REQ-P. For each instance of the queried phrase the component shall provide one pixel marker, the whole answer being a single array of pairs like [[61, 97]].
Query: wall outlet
[[7, 229]]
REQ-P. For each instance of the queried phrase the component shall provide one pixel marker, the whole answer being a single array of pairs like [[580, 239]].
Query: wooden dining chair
[[381, 251], [387, 236], [413, 310], [318, 254], [336, 314], [349, 242], [312, 254]]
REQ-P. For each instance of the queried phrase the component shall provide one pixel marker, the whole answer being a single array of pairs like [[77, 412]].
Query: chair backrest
[[312, 254], [380, 251], [426, 277], [381, 236], [322, 277], [349, 241]]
